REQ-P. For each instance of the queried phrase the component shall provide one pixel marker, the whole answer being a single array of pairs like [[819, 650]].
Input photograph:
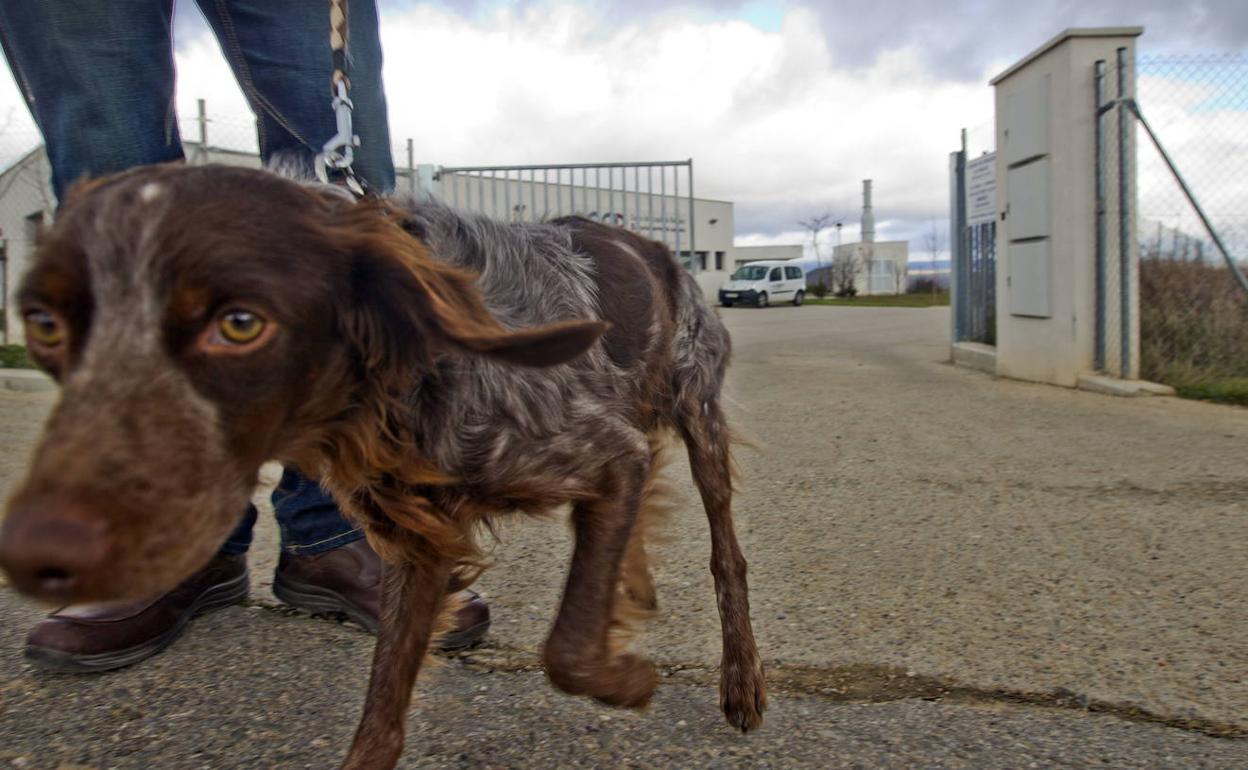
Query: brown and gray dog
[[435, 369]]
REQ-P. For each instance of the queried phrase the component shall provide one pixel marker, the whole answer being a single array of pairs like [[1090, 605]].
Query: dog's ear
[[406, 306]]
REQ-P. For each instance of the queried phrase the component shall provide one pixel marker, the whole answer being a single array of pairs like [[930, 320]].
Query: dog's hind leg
[[578, 655], [742, 689], [412, 594], [636, 580]]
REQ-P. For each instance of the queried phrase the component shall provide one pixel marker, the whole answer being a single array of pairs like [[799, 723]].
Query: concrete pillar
[[1046, 201], [427, 184]]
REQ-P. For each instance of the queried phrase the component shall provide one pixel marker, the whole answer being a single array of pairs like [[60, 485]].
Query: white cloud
[[766, 117], [774, 119]]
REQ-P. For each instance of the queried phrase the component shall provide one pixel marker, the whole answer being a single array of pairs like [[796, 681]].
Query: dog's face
[[201, 321]]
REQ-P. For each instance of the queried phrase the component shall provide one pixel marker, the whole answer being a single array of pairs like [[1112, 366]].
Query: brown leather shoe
[[347, 581], [86, 639]]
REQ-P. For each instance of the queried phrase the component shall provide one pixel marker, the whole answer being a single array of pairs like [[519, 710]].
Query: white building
[[26, 202], [879, 267]]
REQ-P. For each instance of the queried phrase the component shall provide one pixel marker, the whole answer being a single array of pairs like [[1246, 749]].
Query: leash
[[335, 158]]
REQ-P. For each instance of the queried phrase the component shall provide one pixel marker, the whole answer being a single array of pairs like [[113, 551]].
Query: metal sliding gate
[[654, 199], [973, 245]]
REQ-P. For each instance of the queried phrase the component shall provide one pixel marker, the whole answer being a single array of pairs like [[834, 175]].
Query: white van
[[764, 283]]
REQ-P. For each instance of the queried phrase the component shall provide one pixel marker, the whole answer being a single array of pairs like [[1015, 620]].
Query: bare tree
[[900, 271], [845, 268], [815, 225], [935, 247]]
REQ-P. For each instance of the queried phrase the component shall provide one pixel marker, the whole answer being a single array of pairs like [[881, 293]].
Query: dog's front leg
[[578, 657], [412, 594]]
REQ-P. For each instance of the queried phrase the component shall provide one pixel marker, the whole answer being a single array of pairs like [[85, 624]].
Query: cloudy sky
[[784, 106]]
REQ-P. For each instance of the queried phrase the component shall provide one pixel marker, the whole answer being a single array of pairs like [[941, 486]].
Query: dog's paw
[[625, 680], [743, 693], [628, 681]]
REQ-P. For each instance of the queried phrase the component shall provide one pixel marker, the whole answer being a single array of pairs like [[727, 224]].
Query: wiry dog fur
[[435, 369]]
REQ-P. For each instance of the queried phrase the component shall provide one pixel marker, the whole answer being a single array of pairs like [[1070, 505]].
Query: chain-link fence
[[1193, 311]]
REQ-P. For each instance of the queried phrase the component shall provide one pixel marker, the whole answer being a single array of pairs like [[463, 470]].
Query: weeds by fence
[[1194, 329]]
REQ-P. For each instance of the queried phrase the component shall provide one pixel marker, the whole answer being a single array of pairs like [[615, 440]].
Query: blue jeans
[[98, 77], [308, 520]]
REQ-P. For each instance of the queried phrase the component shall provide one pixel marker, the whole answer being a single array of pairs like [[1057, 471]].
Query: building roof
[[1062, 37]]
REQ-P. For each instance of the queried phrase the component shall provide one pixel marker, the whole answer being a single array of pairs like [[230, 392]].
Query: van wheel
[[797, 300], [762, 300], [726, 304]]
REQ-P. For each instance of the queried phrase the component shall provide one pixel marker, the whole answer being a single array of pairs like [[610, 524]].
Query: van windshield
[[750, 273]]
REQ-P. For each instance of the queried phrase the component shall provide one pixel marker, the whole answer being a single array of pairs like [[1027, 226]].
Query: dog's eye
[[44, 328], [241, 326]]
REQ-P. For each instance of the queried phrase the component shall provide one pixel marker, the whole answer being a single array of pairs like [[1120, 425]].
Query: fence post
[[4, 289], [959, 274], [203, 130], [411, 168], [693, 244], [1124, 219], [1099, 152]]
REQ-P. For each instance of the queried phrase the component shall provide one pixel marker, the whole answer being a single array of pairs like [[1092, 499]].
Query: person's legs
[[97, 76], [239, 540], [280, 53], [327, 566], [279, 50], [307, 517]]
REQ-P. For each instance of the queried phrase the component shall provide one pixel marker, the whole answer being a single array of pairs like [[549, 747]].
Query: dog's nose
[[51, 545]]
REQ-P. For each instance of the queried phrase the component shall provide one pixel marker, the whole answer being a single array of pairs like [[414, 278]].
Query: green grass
[[14, 357], [1224, 390], [885, 300]]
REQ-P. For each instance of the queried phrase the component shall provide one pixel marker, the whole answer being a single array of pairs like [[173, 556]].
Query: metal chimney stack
[[868, 216]]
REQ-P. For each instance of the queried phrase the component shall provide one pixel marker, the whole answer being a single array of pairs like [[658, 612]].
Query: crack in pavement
[[866, 683], [850, 683], [1212, 490]]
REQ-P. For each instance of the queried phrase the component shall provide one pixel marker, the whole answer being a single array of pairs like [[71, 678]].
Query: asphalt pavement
[[947, 570]]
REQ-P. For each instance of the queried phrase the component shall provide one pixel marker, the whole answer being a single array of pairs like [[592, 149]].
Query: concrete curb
[[1099, 383], [974, 355], [26, 381]]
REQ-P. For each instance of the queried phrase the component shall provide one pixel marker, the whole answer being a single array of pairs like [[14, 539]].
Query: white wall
[[1046, 253], [25, 193], [878, 265]]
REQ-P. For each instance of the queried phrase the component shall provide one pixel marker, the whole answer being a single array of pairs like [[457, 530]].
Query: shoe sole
[[216, 597], [322, 601]]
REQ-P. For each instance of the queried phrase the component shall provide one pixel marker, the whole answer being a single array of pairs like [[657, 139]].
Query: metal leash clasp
[[339, 152]]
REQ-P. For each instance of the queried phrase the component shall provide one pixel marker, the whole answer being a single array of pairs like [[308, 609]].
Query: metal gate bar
[[973, 273], [453, 185]]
